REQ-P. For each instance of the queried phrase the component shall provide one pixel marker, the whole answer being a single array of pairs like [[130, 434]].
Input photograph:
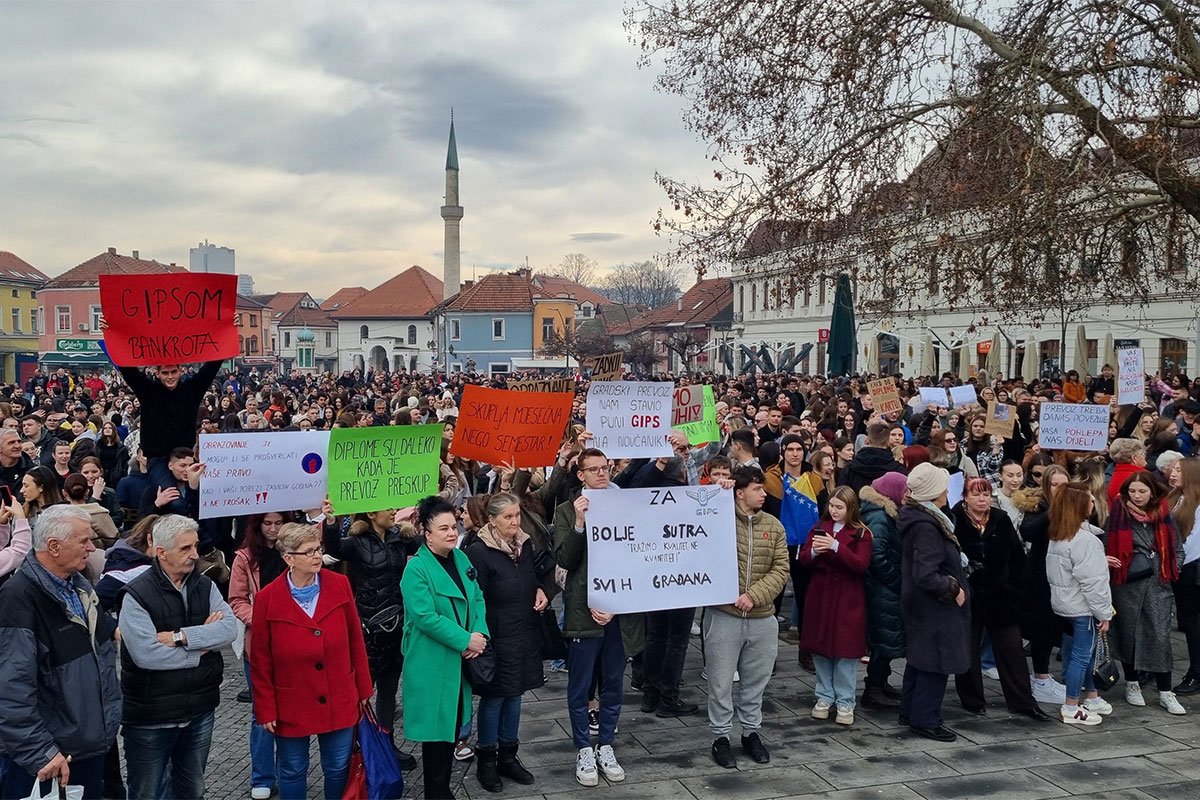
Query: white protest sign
[[964, 395], [1073, 426], [630, 419], [933, 396], [655, 549], [1131, 376], [253, 473], [954, 489], [687, 405]]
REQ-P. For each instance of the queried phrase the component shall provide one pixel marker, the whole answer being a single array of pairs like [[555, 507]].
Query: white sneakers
[[585, 767], [1048, 690], [1078, 715], [1168, 701], [1133, 694], [821, 710], [845, 716], [260, 792], [1097, 705], [607, 760]]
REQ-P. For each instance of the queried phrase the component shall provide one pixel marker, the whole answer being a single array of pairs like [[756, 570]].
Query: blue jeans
[[836, 680], [987, 659], [262, 745], [148, 751], [584, 657], [293, 763], [16, 783], [499, 718], [1079, 653]]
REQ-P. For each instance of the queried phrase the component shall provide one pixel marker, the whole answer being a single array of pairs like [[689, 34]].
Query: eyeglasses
[[1038, 473], [950, 440], [315, 551], [593, 470]]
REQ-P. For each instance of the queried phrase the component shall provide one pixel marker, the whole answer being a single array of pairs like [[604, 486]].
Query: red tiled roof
[[343, 296], [15, 268], [283, 302], [309, 317], [88, 273], [412, 293], [550, 286], [244, 301], [707, 302], [498, 292]]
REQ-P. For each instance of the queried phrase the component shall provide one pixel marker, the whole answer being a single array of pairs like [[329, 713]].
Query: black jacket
[[997, 565], [868, 464], [169, 415], [374, 565], [122, 563], [937, 628], [11, 476]]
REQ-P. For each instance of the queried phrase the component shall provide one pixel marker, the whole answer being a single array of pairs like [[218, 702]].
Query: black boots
[[875, 698], [487, 769], [511, 767]]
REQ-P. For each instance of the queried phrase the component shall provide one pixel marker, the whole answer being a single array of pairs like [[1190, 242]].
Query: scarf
[[940, 518], [306, 595], [510, 547], [1119, 542]]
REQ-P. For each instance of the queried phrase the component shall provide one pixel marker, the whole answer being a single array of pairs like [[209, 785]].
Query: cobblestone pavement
[[1138, 753]]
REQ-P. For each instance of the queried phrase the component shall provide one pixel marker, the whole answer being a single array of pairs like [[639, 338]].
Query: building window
[[935, 276], [328, 339], [1173, 357], [498, 330], [362, 333], [754, 297], [455, 330], [253, 344], [95, 318], [32, 295], [498, 369], [1048, 360], [237, 320], [820, 291], [412, 334], [287, 338], [241, 343], [33, 320], [587, 312], [253, 320], [63, 317], [547, 328], [741, 303], [16, 293], [16, 320]]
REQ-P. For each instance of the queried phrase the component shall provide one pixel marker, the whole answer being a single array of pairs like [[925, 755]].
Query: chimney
[[679, 304], [135, 253], [112, 251]]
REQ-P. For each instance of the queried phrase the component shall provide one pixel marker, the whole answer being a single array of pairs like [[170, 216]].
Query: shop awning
[[67, 359]]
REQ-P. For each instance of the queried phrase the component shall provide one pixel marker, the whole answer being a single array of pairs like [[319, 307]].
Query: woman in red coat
[[309, 664], [836, 555]]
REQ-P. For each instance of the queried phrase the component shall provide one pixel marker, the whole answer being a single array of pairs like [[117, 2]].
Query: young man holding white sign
[[744, 637]]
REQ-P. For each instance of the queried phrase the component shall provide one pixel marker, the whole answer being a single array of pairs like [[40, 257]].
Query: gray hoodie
[[1078, 576]]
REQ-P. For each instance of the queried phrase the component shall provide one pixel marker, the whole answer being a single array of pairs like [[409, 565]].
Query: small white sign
[[1131, 376], [1073, 426], [253, 473], [934, 396], [630, 419], [964, 395]]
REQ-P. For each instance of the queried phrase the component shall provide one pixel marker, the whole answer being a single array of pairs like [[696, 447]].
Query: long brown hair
[[853, 515], [1069, 508], [1186, 498]]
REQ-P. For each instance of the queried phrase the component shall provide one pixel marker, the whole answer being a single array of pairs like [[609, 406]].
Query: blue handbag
[[385, 779]]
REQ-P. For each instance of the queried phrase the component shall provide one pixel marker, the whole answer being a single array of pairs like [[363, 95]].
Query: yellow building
[[19, 283], [559, 305], [552, 317]]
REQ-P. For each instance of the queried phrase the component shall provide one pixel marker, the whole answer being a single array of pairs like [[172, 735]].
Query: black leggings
[[1162, 680]]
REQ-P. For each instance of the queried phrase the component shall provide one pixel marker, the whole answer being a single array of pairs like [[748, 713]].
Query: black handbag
[[480, 671], [1105, 673], [385, 620]]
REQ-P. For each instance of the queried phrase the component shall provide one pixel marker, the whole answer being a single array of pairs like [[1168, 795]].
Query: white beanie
[[927, 482]]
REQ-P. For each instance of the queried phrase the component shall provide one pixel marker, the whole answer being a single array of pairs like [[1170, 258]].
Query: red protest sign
[[498, 425], [169, 319]]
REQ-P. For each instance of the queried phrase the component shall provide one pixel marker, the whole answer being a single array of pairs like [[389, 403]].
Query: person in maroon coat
[[309, 665], [837, 555]]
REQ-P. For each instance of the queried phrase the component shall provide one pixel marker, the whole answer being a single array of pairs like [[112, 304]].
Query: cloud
[[598, 236]]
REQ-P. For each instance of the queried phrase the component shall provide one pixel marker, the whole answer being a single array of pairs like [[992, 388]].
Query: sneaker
[[585, 767], [992, 672], [463, 751], [1078, 715], [558, 666], [736, 676], [594, 721], [722, 754], [1048, 690], [695, 629], [1133, 694], [1168, 701], [607, 761], [679, 708], [845, 716], [821, 710], [752, 746], [260, 792], [1097, 705]]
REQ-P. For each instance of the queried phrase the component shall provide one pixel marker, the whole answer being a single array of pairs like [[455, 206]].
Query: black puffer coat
[[938, 629], [885, 625], [997, 564], [509, 591], [1038, 621], [374, 566]]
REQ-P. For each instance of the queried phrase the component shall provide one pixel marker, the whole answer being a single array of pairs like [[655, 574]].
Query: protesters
[[880, 504]]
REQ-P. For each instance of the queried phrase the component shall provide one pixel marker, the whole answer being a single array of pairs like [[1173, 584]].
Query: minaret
[[452, 213]]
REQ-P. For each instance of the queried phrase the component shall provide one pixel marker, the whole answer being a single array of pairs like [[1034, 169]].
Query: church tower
[[452, 213]]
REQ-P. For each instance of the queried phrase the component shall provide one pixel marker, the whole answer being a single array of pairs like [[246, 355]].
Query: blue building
[[488, 324]]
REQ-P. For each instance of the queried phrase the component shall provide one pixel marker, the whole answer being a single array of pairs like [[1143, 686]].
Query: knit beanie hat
[[892, 485], [927, 482]]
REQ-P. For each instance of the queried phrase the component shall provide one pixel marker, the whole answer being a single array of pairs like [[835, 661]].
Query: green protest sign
[[705, 429], [394, 466]]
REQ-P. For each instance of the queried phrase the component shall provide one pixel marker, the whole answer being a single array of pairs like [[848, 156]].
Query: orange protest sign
[[497, 426], [169, 319]]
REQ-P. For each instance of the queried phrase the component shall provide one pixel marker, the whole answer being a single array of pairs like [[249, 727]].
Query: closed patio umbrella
[[966, 357], [993, 365], [1079, 362], [872, 364], [1109, 356], [843, 344], [1029, 364], [927, 365]]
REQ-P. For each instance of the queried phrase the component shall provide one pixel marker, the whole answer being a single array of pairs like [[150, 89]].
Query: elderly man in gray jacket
[[60, 703]]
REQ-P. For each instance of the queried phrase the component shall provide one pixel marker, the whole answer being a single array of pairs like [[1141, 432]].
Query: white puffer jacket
[[1078, 576]]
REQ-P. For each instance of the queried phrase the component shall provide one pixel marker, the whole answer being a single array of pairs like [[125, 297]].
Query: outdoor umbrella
[[872, 364], [965, 361], [993, 365], [1029, 364], [927, 365], [1109, 356], [843, 345], [1079, 362]]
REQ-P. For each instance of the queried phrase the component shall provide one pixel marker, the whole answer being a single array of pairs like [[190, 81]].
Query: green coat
[[435, 694]]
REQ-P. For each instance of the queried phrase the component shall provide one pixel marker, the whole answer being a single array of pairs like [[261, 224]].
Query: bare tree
[[687, 345], [581, 343], [645, 284], [577, 267], [911, 141], [642, 353]]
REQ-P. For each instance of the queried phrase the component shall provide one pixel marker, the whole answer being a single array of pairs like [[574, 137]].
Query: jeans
[[667, 635], [293, 763], [499, 719], [584, 657], [1079, 655], [262, 745], [86, 772], [836, 681], [987, 658], [148, 751]]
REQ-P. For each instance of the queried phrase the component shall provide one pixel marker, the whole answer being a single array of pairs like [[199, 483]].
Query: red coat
[[308, 674], [835, 607]]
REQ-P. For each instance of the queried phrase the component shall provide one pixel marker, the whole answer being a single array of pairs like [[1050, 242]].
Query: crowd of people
[[913, 535]]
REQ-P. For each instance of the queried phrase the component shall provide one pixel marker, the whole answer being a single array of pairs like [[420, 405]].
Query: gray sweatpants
[[748, 646]]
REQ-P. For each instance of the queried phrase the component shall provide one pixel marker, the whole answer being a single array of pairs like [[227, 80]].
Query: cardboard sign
[[543, 385], [1073, 426], [372, 469], [687, 405], [179, 318], [497, 426], [934, 396], [1000, 420], [964, 395], [654, 549], [608, 367], [253, 473], [706, 429], [630, 419], [884, 396], [1131, 376]]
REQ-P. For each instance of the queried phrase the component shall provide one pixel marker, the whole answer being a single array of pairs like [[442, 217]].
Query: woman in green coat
[[444, 623]]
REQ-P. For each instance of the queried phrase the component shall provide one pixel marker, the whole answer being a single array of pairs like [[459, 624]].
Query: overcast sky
[[311, 136]]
